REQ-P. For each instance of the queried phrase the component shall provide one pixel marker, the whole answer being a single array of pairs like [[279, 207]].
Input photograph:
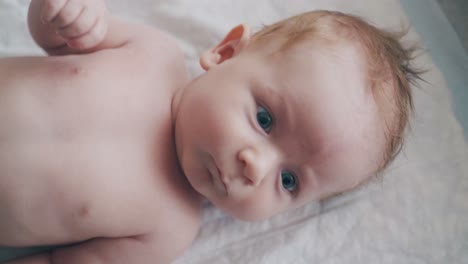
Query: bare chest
[[57, 111], [98, 142]]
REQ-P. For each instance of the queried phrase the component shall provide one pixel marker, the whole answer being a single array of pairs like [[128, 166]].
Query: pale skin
[[86, 148], [108, 146]]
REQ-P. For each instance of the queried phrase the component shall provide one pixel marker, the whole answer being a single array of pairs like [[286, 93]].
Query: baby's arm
[[136, 250], [63, 27]]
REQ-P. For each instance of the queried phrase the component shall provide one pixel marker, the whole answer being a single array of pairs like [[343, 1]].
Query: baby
[[107, 146]]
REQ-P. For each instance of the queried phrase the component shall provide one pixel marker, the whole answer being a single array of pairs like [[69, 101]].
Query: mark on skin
[[83, 211], [75, 70]]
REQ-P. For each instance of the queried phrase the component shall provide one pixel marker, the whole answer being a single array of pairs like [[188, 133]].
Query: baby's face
[[258, 135]]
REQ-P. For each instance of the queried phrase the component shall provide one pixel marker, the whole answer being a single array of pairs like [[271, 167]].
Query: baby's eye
[[288, 180], [264, 119]]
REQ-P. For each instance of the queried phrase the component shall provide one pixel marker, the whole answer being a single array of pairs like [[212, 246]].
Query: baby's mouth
[[221, 179], [217, 177]]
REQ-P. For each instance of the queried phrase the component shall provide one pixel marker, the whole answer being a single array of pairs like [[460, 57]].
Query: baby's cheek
[[222, 127], [258, 207]]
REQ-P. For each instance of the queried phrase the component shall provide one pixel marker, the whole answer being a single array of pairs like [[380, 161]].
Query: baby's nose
[[256, 165]]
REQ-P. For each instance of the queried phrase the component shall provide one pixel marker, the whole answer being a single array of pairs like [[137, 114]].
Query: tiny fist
[[50, 9], [90, 39]]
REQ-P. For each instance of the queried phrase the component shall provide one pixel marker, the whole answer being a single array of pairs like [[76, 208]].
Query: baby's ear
[[236, 40]]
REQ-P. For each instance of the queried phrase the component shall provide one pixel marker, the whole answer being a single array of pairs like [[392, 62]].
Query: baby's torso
[[59, 116], [78, 121]]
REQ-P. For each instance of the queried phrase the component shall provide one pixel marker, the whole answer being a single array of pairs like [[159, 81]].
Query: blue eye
[[264, 119], [288, 180]]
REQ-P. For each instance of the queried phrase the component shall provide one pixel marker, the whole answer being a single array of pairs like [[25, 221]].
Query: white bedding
[[418, 213]]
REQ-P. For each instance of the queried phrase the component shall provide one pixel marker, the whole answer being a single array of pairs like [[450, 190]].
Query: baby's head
[[309, 107]]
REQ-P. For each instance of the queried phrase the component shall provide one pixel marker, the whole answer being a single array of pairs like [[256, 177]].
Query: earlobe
[[235, 41]]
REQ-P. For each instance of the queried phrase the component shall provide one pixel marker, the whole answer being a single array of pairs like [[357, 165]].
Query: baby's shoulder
[[151, 57], [156, 51], [177, 211], [175, 230]]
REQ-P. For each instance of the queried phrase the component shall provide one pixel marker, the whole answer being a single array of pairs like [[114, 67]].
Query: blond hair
[[389, 64]]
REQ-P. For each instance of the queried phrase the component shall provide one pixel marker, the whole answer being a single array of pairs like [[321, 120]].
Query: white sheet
[[417, 214], [446, 49]]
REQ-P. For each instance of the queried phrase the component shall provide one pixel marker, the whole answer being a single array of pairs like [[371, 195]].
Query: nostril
[[252, 175], [251, 167], [245, 156], [248, 181]]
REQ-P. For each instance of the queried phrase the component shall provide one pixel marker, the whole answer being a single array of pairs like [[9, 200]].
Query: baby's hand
[[81, 23]]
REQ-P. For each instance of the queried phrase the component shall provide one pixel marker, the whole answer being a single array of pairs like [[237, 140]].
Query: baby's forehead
[[331, 108], [341, 69]]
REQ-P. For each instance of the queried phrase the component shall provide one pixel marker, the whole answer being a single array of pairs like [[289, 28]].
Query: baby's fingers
[[50, 9], [84, 23], [90, 39], [68, 14]]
